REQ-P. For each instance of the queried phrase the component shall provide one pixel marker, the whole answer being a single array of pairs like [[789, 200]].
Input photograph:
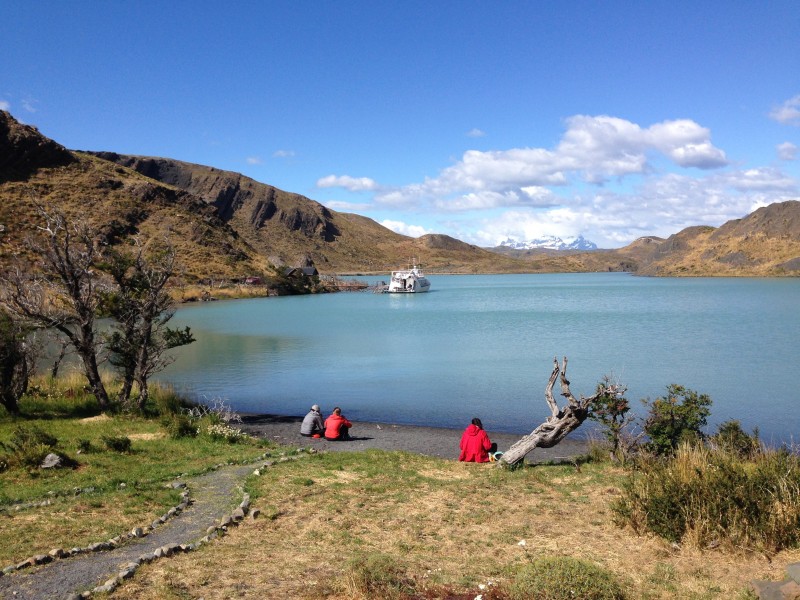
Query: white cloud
[[254, 160], [283, 154], [787, 113], [593, 149], [353, 184], [787, 151], [344, 206], [405, 228], [5, 105], [29, 105], [475, 133]]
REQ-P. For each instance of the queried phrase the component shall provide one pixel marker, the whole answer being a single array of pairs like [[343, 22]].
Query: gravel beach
[[430, 441]]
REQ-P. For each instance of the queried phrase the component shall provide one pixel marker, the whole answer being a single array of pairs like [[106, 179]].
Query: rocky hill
[[288, 227], [118, 202], [226, 225]]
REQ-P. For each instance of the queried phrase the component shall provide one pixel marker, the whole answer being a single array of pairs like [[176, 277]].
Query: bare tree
[[561, 421], [65, 295], [142, 307], [16, 361]]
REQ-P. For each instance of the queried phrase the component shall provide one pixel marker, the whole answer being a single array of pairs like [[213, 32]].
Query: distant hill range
[[226, 225]]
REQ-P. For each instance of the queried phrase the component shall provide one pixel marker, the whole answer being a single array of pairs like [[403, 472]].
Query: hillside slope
[[118, 202], [288, 227]]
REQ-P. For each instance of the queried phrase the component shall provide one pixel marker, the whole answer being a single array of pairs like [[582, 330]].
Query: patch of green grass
[[563, 578]]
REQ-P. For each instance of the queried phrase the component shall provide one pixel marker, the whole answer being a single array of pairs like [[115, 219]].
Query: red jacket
[[334, 425], [474, 445]]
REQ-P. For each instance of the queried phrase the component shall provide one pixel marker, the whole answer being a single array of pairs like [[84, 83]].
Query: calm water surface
[[484, 345]]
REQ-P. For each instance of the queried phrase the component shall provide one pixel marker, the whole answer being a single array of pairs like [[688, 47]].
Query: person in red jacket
[[475, 444], [337, 427]]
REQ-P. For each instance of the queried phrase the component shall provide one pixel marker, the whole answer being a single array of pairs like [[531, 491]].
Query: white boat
[[408, 281]]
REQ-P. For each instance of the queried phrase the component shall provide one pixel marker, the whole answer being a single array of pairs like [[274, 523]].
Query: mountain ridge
[[226, 225]]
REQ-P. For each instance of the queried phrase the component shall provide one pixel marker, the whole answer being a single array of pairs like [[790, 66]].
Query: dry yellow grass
[[450, 526]]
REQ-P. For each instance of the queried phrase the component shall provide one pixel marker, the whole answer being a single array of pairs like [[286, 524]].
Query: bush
[[677, 417], [28, 447], [710, 497], [557, 578], [180, 426], [611, 410], [222, 432], [117, 443], [377, 576], [84, 446], [730, 437]]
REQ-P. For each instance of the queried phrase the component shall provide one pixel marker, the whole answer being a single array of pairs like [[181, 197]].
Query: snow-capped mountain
[[551, 242]]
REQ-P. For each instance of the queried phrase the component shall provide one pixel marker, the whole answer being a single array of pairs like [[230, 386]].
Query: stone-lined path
[[213, 498]]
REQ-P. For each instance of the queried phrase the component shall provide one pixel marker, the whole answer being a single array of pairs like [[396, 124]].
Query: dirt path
[[214, 496]]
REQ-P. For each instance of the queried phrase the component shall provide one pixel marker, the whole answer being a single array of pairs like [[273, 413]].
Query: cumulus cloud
[[405, 228], [475, 133], [254, 160], [593, 149], [283, 154], [787, 113], [787, 151], [353, 184]]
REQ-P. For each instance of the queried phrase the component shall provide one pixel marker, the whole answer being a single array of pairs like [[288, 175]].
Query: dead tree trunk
[[561, 422]]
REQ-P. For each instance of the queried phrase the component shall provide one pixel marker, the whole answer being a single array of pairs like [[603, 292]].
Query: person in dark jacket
[[337, 427], [312, 423], [475, 443]]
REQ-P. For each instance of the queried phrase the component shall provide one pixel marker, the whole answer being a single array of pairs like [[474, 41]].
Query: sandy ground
[[430, 441]]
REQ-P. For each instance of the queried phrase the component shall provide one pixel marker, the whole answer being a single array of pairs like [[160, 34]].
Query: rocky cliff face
[[237, 197], [23, 150]]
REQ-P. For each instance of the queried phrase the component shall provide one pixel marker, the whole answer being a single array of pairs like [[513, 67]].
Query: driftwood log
[[560, 423]]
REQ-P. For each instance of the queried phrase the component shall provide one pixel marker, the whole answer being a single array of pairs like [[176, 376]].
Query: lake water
[[483, 345]]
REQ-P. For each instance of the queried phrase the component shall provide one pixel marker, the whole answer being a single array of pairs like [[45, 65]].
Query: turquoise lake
[[483, 345]]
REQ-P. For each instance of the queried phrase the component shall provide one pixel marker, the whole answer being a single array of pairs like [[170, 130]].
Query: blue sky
[[480, 120]]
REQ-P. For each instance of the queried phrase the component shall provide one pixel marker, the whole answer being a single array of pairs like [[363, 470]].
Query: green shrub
[[557, 578], [710, 497], [117, 443], [677, 417], [28, 447], [84, 446], [730, 437], [180, 426], [377, 576]]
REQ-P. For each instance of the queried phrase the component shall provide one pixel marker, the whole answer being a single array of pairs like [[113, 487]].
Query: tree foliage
[[612, 410], [678, 416], [141, 309]]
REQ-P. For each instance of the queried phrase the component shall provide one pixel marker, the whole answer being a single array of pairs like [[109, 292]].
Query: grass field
[[372, 524]]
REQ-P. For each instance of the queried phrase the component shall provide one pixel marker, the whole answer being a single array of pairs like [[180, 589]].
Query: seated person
[[337, 427], [475, 443], [312, 423]]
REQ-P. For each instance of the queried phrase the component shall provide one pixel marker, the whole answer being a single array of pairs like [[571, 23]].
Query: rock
[[127, 573], [52, 461], [137, 532], [257, 473], [226, 521], [788, 589], [237, 515], [211, 530], [255, 513], [42, 559], [58, 553], [793, 570]]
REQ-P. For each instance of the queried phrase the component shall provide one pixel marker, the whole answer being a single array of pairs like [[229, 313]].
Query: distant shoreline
[[429, 441]]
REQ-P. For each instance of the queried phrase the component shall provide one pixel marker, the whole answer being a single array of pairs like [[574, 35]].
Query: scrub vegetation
[[379, 524]]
